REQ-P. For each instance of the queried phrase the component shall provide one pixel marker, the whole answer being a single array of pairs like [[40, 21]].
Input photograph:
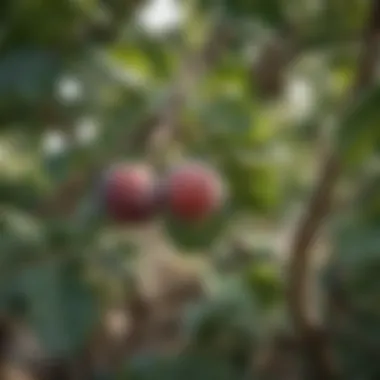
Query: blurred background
[[253, 88]]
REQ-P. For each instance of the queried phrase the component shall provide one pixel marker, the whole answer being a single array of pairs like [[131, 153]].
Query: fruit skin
[[130, 193], [193, 192]]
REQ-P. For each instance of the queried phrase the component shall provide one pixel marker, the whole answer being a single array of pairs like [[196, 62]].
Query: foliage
[[79, 78]]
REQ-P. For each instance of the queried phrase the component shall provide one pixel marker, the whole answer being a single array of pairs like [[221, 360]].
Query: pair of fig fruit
[[135, 193]]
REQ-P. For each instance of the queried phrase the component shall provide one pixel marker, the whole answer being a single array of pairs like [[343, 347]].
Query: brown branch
[[305, 235], [319, 204]]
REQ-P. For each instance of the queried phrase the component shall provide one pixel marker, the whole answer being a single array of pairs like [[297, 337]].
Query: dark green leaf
[[201, 235], [358, 130]]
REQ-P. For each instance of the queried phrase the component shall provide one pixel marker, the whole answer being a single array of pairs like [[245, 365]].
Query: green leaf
[[62, 307], [255, 186], [28, 75], [80, 311], [227, 116], [264, 282], [358, 244], [22, 240], [22, 193], [39, 284], [57, 166], [358, 130], [230, 310], [267, 11], [188, 366], [189, 236]]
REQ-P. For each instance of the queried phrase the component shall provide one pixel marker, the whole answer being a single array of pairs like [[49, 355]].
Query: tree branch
[[319, 204]]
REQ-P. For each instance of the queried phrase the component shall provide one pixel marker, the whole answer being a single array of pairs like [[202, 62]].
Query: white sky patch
[[86, 131], [69, 89], [160, 16], [54, 142], [300, 97]]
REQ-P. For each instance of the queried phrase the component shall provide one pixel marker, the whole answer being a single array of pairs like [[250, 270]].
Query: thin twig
[[319, 204]]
